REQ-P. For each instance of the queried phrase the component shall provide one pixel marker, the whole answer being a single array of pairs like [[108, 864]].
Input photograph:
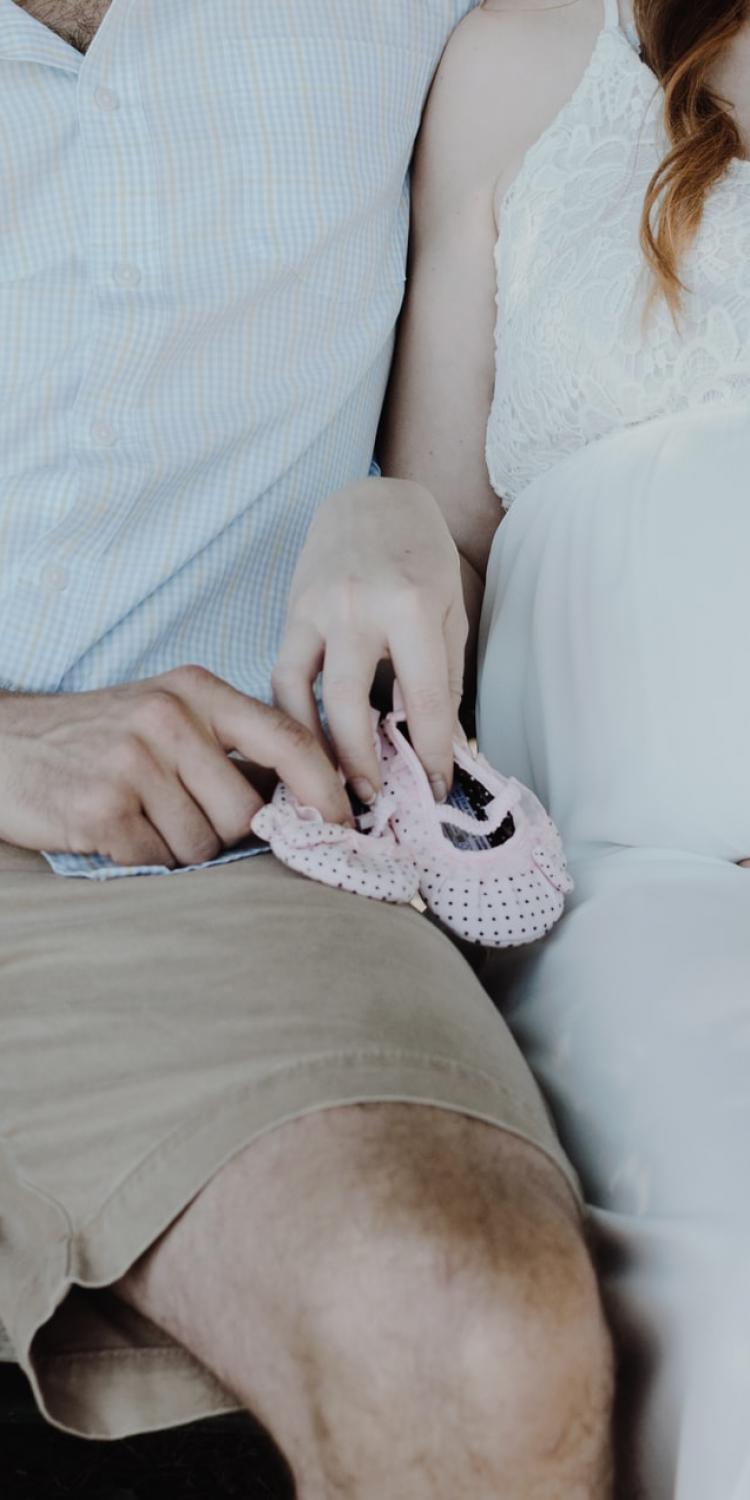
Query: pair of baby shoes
[[488, 862]]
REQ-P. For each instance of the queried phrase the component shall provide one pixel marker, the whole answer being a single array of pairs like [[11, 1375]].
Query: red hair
[[681, 41]]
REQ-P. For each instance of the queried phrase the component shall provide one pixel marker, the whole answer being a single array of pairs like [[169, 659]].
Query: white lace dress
[[615, 680]]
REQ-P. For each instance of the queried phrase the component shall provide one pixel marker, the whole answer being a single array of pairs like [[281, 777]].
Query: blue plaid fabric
[[203, 226], [202, 233]]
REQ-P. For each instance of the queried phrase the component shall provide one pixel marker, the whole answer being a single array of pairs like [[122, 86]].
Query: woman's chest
[[573, 284], [76, 21], [579, 352]]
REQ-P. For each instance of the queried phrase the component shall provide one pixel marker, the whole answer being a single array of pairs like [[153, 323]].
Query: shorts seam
[[132, 1352], [183, 1132]]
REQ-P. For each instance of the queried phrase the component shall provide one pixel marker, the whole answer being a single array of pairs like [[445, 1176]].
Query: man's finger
[[201, 806], [266, 735], [135, 841], [348, 673], [225, 799]]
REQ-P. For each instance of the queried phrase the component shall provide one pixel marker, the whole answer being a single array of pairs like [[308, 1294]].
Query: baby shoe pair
[[488, 862]]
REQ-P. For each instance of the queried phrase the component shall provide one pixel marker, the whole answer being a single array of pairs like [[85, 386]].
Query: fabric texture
[[614, 681], [99, 867], [574, 362], [487, 862], [148, 1039], [634, 1017], [201, 264]]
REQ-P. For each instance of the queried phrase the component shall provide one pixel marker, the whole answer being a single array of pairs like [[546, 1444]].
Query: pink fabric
[[498, 897]]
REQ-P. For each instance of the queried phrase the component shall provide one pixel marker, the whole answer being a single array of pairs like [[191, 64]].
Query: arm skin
[[506, 72], [440, 391]]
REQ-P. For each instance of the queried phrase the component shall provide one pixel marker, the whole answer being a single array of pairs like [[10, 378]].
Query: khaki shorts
[[151, 1028]]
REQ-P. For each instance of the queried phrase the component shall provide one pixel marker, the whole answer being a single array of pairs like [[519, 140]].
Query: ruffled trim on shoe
[[365, 860]]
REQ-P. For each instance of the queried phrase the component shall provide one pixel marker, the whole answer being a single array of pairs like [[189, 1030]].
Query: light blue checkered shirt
[[202, 240]]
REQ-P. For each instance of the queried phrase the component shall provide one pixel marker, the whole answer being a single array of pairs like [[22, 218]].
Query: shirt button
[[106, 100], [54, 578], [102, 433], [126, 275]]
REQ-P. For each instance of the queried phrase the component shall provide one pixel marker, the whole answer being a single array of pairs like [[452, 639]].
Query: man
[[216, 1190]]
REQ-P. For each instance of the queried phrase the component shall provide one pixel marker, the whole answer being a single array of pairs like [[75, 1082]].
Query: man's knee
[[472, 1301]]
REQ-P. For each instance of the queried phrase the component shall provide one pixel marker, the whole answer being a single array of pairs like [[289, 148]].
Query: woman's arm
[[438, 401], [437, 406], [379, 575], [505, 73]]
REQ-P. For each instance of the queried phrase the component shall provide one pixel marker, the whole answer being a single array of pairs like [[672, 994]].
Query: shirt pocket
[[326, 127]]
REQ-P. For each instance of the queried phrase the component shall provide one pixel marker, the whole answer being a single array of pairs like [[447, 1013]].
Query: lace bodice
[[574, 359]]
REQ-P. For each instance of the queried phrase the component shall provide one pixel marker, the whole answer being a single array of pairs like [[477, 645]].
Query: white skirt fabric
[[615, 681]]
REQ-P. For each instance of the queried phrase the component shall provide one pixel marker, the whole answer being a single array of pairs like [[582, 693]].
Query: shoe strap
[[453, 817]]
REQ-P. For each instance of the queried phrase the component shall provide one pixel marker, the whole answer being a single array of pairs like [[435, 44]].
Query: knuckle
[[103, 806], [412, 600], [237, 825], [346, 601], [191, 677], [159, 714], [128, 758], [428, 701], [305, 601], [203, 847], [350, 593]]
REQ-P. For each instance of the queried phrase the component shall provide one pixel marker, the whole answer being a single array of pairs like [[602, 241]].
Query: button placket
[[102, 433], [106, 100], [127, 275], [54, 578], [118, 249]]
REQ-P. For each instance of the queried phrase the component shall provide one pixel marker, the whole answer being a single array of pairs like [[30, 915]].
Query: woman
[[588, 170]]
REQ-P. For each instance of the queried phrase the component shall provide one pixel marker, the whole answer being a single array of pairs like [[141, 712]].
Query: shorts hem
[[126, 1386]]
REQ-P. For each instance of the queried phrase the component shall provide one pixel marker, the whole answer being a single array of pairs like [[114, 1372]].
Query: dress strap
[[611, 15]]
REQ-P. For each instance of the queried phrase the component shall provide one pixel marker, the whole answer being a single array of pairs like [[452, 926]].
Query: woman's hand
[[379, 578]]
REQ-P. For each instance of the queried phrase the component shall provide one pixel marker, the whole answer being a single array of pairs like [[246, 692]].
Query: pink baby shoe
[[490, 860], [366, 860]]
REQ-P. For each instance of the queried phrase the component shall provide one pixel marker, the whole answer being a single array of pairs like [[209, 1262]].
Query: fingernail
[[364, 790], [439, 788]]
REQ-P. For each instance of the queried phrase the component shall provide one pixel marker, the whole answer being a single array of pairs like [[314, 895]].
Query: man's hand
[[141, 773], [379, 578]]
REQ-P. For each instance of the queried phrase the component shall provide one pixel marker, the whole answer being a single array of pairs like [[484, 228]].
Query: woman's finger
[[298, 664], [456, 632], [420, 656], [348, 673]]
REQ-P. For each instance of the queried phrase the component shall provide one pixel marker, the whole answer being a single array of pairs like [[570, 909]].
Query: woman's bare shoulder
[[506, 71]]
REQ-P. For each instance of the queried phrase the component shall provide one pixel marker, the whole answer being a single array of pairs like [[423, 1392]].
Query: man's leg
[[289, 1125], [635, 1014], [402, 1295]]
